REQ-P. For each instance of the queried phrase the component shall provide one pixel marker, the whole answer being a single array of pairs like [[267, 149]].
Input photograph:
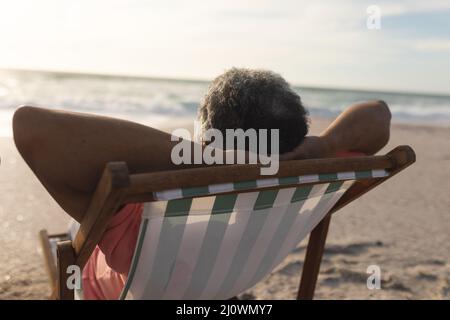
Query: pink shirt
[[106, 271]]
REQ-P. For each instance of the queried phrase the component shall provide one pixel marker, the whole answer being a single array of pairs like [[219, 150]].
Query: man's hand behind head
[[312, 147]]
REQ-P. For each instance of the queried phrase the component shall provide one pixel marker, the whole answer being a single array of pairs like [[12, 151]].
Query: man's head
[[258, 99]]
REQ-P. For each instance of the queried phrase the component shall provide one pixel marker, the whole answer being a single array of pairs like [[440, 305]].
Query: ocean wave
[[159, 100]]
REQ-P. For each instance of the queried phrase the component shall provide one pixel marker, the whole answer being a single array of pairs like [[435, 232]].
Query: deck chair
[[214, 232]]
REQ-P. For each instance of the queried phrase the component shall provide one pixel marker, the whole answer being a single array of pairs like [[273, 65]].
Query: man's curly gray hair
[[258, 99]]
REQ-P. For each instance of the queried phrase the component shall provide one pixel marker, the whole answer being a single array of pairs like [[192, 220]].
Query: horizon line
[[205, 81]]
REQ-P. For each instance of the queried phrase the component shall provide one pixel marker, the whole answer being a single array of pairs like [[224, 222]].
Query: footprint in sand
[[353, 248], [292, 268]]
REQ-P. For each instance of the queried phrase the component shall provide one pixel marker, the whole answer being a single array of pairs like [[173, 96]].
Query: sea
[[163, 102]]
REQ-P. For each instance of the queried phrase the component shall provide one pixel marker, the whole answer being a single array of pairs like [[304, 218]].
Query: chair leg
[[48, 257], [66, 258], [313, 258]]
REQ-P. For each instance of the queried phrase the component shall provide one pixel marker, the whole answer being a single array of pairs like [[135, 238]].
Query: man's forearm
[[363, 127]]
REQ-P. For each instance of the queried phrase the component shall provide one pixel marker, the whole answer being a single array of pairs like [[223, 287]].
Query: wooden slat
[[66, 258], [145, 183], [148, 197], [49, 260], [104, 204], [63, 236]]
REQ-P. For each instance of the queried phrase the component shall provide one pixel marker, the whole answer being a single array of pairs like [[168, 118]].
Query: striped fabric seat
[[215, 242]]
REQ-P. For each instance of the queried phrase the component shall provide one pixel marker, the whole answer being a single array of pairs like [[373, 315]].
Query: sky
[[311, 43]]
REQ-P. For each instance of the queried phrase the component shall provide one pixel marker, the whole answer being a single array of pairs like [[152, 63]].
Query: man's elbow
[[383, 110], [384, 115], [24, 129]]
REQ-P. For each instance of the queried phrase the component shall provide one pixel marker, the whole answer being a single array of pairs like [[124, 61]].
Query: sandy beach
[[403, 226]]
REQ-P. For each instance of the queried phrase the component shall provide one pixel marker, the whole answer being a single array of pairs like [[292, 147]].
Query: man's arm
[[68, 151], [362, 127]]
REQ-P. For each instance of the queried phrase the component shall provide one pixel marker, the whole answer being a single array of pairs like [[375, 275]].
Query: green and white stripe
[[215, 233], [276, 221], [270, 182], [233, 235], [313, 211]]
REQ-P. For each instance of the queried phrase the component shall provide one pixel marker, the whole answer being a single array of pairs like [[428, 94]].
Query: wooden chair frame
[[117, 187]]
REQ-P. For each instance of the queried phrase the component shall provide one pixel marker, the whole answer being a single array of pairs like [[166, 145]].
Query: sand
[[402, 226]]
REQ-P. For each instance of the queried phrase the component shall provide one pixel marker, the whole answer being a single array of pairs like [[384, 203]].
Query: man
[[68, 151]]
